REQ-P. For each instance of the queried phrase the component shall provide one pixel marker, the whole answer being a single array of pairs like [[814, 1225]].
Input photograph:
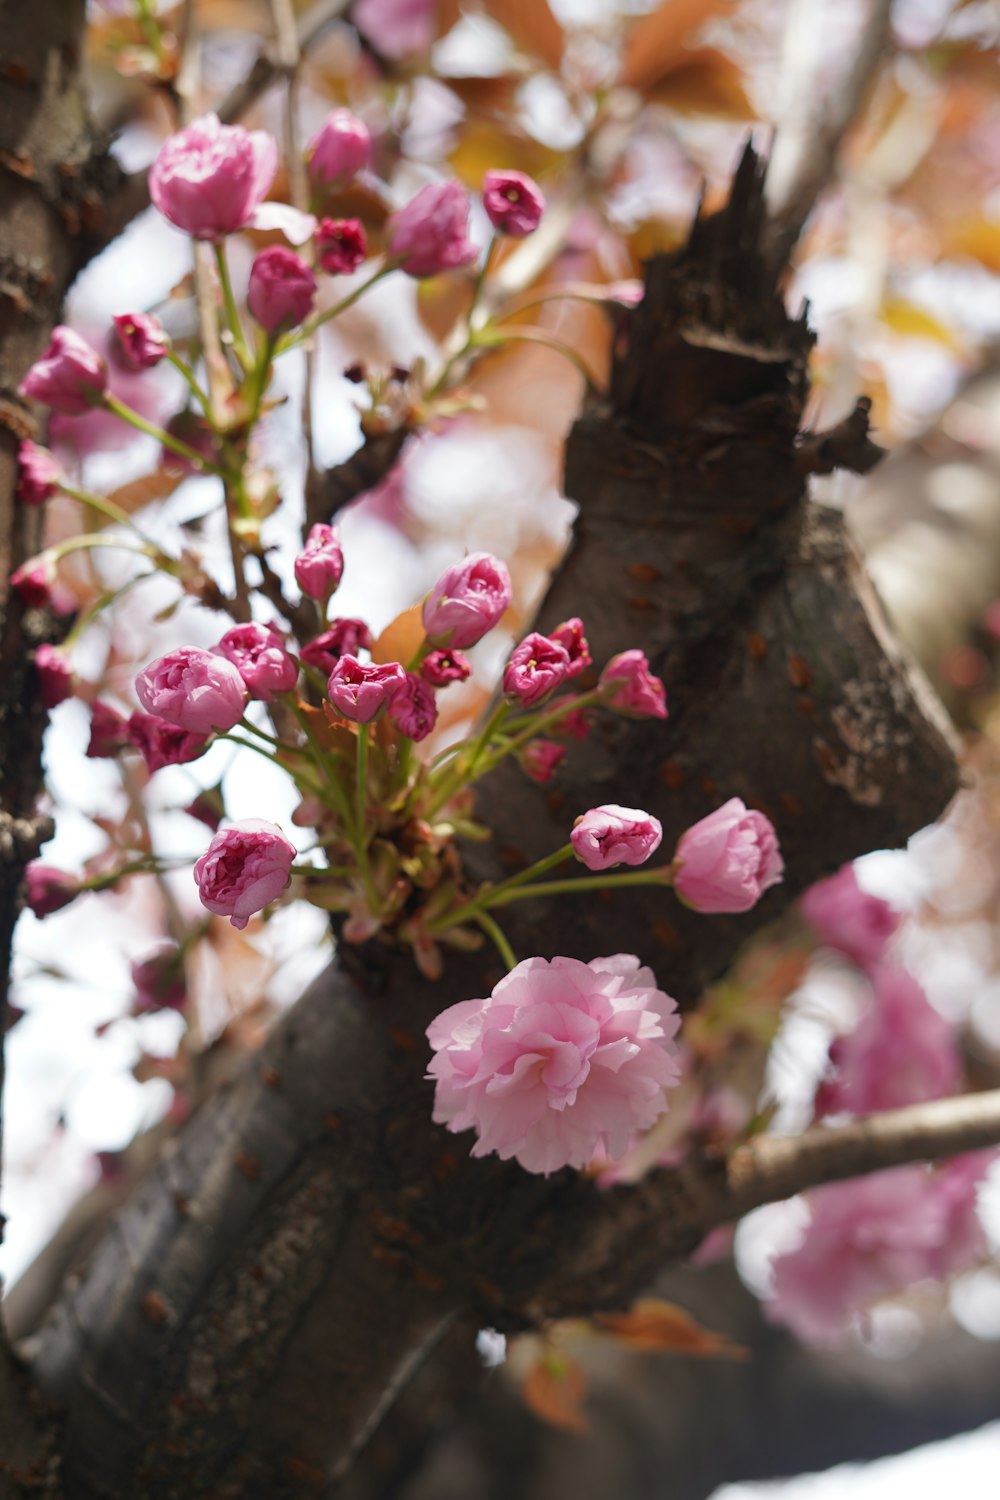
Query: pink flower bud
[[319, 567], [48, 889], [70, 376], [539, 759], [340, 149], [108, 731], [159, 980], [143, 339], [208, 808], [612, 835], [192, 428], [628, 686], [361, 692], [570, 634], [341, 245], [573, 725], [413, 709], [441, 667], [396, 28], [727, 860], [209, 178], [196, 689], [281, 290], [343, 637], [35, 580], [244, 869], [430, 233], [467, 601], [258, 654], [536, 668], [39, 475], [54, 674], [513, 202], [161, 743], [846, 918]]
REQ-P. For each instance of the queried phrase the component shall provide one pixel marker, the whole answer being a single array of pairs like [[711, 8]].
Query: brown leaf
[[531, 25], [554, 1388], [484, 144], [705, 82], [140, 492], [653, 1324], [658, 43], [401, 638]]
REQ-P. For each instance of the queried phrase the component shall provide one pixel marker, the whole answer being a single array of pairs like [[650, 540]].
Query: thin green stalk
[[307, 783], [339, 795], [240, 348], [134, 419], [489, 340], [299, 336], [494, 931], [104, 507], [571, 887], [538, 726], [464, 766], [184, 368], [361, 806]]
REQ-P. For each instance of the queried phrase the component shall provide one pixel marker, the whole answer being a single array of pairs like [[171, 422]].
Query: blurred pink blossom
[[208, 178], [396, 28], [846, 918], [430, 234]]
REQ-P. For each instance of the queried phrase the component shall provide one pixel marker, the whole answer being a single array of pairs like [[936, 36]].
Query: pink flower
[[39, 475], [281, 290], [430, 233], [108, 731], [340, 149], [441, 667], [536, 668], [161, 743], [244, 869], [195, 689], [848, 919], [209, 178], [613, 835], [159, 980], [727, 860], [570, 634], [54, 675], [563, 1059], [35, 582], [48, 889], [539, 759], [343, 637], [467, 601], [902, 1051], [341, 245], [319, 567], [572, 725], [361, 692], [143, 339], [395, 28], [413, 709], [70, 376], [258, 654], [513, 202], [628, 686]]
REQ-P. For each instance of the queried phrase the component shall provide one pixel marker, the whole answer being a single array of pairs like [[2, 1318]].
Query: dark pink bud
[[39, 475], [343, 637], [536, 668], [613, 835], [70, 377], [573, 725], [319, 567], [196, 689], [361, 692], [209, 178], [258, 654], [208, 808], [163, 744], [628, 686], [244, 869], [430, 234], [513, 202], [54, 674], [412, 708], [570, 634], [441, 667], [48, 889], [159, 980], [281, 290], [539, 759], [35, 581], [341, 245], [108, 731], [727, 860], [190, 428], [467, 601], [340, 149], [143, 339]]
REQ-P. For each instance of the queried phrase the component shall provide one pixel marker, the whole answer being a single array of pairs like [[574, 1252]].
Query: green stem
[[232, 313], [337, 791], [463, 767], [104, 507], [306, 783], [84, 543], [184, 368], [490, 340], [533, 871], [538, 725], [361, 812], [570, 887], [134, 419], [493, 930], [294, 340]]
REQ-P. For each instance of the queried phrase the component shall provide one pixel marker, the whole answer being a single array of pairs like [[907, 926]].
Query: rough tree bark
[[310, 1235]]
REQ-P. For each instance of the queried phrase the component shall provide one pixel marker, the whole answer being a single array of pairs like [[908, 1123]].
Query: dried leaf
[[484, 144], [138, 493], [401, 638], [532, 26], [708, 83], [656, 1325], [658, 43], [554, 1388], [441, 301]]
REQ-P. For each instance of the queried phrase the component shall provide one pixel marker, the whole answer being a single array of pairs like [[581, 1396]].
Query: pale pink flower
[[54, 674], [727, 860], [613, 835], [209, 178], [513, 202], [341, 245], [430, 234], [159, 980], [361, 692], [39, 474], [70, 377], [161, 743], [570, 634], [562, 1060], [628, 686], [319, 567], [340, 149], [281, 290], [536, 668], [258, 654], [412, 708], [143, 339], [343, 637], [244, 869], [395, 28], [108, 731], [467, 601], [539, 759], [902, 1051], [846, 918], [441, 667], [196, 689], [48, 889]]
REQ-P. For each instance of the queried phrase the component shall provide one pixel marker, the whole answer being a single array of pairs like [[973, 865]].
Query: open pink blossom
[[340, 149], [39, 474], [613, 835], [902, 1051], [412, 708], [244, 869], [539, 759], [162, 743], [142, 339], [209, 178], [258, 654], [48, 889], [430, 234], [395, 28], [536, 668], [341, 245], [562, 1060], [727, 860], [467, 601], [108, 731], [319, 567], [514, 202], [628, 686], [196, 689], [441, 667], [54, 674], [362, 692], [70, 377], [281, 290], [846, 918], [570, 634], [342, 637]]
